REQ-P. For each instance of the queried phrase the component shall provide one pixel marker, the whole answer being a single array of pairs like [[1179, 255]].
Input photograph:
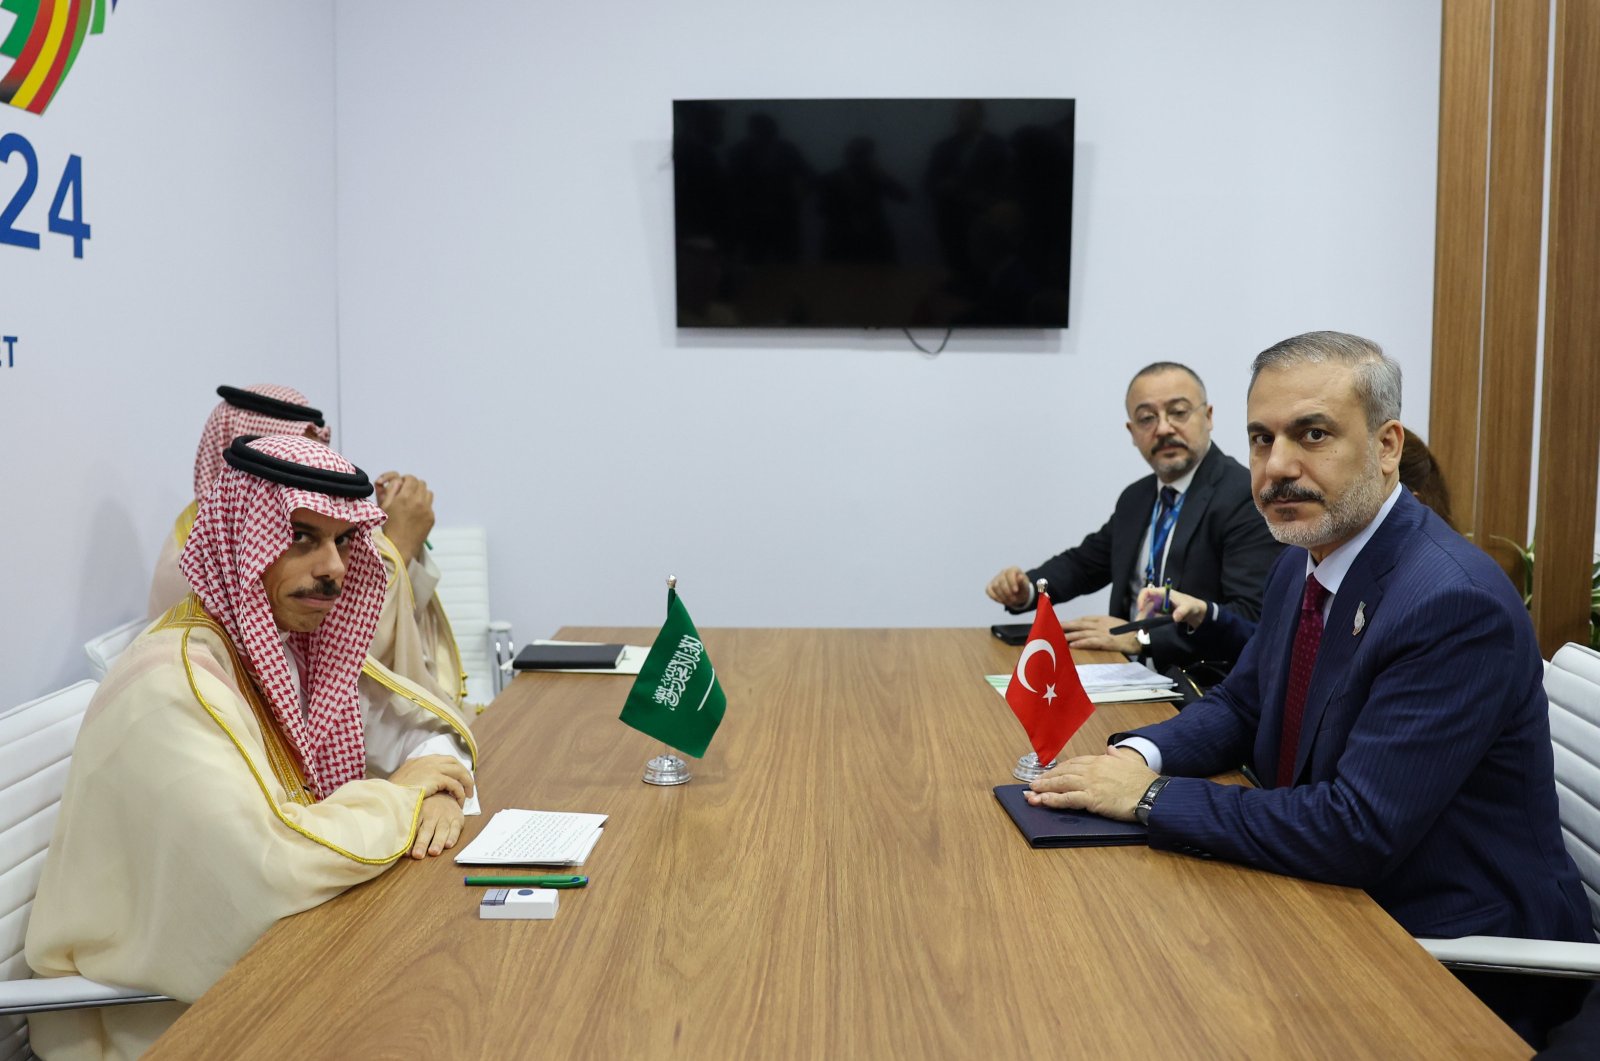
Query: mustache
[[324, 587], [1280, 492], [1164, 443]]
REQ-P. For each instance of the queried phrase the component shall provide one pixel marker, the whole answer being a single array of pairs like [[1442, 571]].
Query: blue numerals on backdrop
[[74, 227], [15, 144]]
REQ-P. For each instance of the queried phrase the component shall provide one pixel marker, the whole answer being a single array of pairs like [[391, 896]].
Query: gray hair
[[1377, 375], [1167, 366]]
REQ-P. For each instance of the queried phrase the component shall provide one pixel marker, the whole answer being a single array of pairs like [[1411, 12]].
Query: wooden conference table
[[837, 881]]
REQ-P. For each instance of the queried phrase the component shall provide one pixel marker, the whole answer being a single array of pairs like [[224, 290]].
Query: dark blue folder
[[1047, 827]]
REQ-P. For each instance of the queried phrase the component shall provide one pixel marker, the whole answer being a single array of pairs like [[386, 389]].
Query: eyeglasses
[[1177, 415]]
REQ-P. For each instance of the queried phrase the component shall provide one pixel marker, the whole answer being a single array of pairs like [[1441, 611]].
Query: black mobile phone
[[1011, 633], [1142, 624]]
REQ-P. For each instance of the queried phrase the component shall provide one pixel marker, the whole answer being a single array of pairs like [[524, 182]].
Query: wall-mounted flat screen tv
[[873, 213]]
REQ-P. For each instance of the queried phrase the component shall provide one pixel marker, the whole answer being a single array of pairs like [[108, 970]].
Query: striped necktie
[[1166, 502]]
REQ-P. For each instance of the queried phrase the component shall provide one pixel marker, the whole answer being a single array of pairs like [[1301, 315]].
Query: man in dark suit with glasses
[[1191, 524]]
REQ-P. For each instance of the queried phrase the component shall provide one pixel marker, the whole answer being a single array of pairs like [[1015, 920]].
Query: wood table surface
[[837, 881]]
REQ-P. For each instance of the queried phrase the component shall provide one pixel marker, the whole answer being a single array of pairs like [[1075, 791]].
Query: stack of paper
[[534, 838], [1103, 677], [1111, 683]]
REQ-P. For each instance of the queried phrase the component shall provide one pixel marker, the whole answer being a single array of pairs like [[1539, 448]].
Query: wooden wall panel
[[1511, 277], [1458, 247], [1569, 448]]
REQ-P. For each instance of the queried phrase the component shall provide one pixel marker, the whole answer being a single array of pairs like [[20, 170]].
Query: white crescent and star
[[1038, 644]]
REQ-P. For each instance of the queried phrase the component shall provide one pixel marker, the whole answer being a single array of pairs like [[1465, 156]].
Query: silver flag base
[[1028, 768], [666, 770]]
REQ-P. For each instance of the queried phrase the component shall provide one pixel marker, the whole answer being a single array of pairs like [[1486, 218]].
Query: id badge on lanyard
[[1160, 531]]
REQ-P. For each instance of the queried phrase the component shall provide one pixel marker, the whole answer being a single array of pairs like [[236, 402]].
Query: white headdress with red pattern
[[242, 526], [284, 411]]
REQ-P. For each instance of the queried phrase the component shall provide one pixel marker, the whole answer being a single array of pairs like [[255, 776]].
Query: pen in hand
[[1153, 602]]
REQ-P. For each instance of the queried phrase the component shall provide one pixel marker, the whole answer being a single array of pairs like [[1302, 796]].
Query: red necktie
[[1307, 638]]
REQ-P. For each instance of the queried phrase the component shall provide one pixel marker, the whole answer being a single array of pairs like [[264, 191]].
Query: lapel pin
[[1361, 619]]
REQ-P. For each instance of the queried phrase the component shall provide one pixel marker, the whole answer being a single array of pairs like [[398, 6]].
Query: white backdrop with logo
[[206, 137], [452, 228]]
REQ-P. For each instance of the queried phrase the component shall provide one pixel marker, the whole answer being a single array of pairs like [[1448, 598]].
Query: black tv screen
[[873, 212]]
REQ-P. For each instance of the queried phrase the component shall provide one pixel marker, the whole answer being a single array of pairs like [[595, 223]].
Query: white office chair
[[104, 650], [462, 554], [1572, 682], [35, 748]]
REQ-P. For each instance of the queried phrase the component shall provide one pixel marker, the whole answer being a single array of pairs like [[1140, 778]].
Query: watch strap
[[1141, 810]]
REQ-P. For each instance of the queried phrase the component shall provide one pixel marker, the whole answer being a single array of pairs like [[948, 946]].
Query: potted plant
[[1525, 554]]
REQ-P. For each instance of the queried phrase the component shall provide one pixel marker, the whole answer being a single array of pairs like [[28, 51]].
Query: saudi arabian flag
[[677, 698]]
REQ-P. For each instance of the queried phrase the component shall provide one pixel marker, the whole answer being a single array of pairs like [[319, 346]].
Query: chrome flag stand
[[1028, 769], [667, 769]]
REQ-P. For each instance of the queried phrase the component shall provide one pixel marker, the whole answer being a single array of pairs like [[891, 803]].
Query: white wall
[[1246, 171], [499, 287], [206, 132]]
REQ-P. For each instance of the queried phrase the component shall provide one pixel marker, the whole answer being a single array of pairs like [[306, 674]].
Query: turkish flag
[[1045, 693]]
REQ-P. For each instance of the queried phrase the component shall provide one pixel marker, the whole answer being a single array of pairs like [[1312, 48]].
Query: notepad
[[567, 657], [534, 838], [630, 662]]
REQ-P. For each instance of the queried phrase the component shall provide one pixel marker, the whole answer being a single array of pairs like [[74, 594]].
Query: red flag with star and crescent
[[1045, 693]]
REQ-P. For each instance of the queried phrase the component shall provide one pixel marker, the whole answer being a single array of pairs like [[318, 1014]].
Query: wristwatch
[[1141, 810]]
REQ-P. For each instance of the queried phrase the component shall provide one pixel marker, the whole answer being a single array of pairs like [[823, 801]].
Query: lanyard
[[1159, 535]]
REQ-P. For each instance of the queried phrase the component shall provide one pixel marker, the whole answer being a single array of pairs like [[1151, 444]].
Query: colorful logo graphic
[[43, 44]]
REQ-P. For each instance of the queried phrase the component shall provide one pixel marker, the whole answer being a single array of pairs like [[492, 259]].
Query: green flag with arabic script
[[677, 698]]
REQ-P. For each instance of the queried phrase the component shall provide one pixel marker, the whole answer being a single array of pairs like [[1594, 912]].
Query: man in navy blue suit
[[1391, 701]]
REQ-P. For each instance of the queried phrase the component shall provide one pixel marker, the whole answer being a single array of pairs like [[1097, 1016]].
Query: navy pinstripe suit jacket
[[1424, 771]]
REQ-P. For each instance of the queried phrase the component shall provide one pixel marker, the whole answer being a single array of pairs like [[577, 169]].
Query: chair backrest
[[462, 554], [1572, 682], [104, 650], [35, 750]]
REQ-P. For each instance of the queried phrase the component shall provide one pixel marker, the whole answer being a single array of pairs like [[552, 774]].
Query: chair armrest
[[1541, 957], [67, 992]]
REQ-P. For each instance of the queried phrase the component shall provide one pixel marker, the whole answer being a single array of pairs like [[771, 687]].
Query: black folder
[[1048, 827], [567, 657]]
